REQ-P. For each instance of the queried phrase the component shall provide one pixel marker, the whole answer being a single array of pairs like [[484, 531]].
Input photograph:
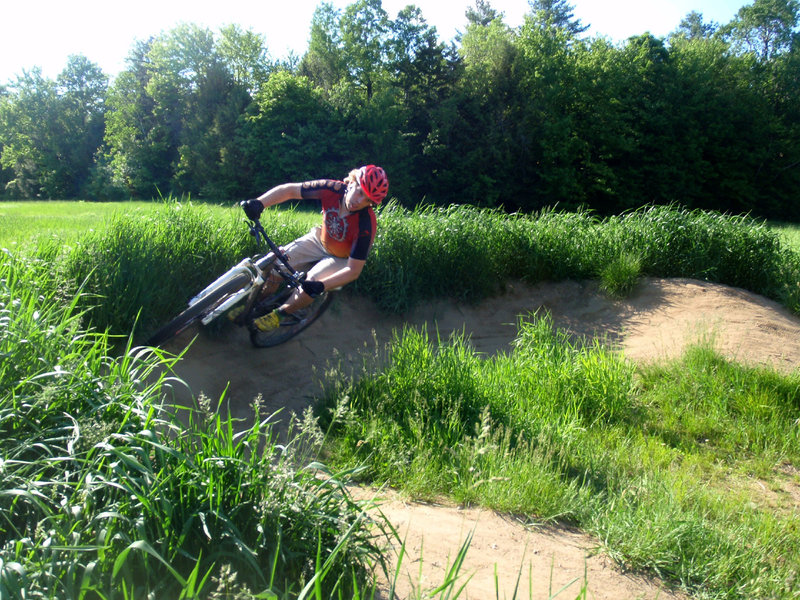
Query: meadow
[[790, 234], [107, 494], [25, 223]]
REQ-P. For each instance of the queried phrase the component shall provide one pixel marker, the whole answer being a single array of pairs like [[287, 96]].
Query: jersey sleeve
[[316, 189], [366, 235]]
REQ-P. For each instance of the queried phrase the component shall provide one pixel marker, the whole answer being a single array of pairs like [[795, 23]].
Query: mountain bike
[[251, 282]]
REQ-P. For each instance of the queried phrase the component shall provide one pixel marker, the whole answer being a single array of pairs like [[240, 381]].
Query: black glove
[[252, 208], [313, 288]]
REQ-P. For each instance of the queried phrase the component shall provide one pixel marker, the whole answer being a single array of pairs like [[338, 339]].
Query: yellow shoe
[[268, 322]]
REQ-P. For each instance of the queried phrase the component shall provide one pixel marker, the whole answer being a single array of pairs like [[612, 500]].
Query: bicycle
[[248, 281]]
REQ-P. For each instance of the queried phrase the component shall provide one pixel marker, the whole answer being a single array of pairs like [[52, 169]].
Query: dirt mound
[[656, 322]]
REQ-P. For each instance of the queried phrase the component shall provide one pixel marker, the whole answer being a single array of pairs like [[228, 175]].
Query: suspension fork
[[246, 266]]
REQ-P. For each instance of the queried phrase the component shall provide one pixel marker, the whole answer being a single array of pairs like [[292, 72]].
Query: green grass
[[619, 277], [154, 257], [139, 261], [654, 462], [664, 464], [105, 494], [790, 234], [469, 254], [25, 223]]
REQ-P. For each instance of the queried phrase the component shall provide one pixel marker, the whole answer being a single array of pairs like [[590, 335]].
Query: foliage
[[662, 464], [514, 118], [105, 494], [152, 258], [173, 126], [145, 260], [292, 133], [467, 253], [101, 486], [765, 28], [619, 277], [51, 130]]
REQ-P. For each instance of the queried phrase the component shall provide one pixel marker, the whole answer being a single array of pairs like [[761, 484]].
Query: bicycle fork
[[246, 267]]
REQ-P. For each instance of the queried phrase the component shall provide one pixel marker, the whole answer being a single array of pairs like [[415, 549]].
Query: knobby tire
[[198, 310]]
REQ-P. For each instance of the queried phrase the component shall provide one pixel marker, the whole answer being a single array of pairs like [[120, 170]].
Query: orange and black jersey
[[348, 236]]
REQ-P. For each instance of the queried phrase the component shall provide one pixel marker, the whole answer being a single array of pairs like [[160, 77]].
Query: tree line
[[515, 117]]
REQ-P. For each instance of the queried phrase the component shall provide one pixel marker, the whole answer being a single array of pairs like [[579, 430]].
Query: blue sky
[[44, 33]]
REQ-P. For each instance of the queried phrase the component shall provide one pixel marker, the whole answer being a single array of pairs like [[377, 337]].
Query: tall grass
[[468, 254], [661, 464], [104, 494], [146, 262]]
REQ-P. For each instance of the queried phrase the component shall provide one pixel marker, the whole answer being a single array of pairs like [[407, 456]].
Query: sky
[[43, 33]]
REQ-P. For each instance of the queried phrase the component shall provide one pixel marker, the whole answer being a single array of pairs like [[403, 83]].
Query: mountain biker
[[334, 253]]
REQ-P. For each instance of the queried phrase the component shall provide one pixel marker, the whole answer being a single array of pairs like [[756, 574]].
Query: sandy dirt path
[[656, 322]]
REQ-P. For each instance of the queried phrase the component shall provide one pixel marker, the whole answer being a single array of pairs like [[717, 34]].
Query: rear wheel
[[198, 310], [296, 323]]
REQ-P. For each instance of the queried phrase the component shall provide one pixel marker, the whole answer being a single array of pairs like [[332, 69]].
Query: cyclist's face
[[355, 198]]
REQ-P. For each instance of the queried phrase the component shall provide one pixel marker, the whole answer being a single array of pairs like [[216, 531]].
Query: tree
[[557, 14], [82, 88], [26, 141], [176, 109], [692, 27], [765, 33], [52, 129], [324, 62], [364, 27], [766, 28], [293, 133], [482, 14], [476, 118], [423, 71], [138, 150], [785, 165], [6, 174], [550, 152], [649, 159], [245, 55], [707, 158]]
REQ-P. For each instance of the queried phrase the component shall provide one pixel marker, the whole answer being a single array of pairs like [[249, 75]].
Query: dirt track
[[658, 321]]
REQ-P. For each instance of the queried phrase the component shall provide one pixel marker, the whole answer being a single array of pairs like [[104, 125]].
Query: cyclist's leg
[[329, 264], [302, 253]]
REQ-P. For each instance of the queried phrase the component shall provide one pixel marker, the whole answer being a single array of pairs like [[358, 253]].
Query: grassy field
[[790, 233], [26, 223], [665, 465]]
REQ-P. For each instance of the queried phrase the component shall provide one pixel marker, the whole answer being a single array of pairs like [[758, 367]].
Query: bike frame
[[255, 268], [246, 284]]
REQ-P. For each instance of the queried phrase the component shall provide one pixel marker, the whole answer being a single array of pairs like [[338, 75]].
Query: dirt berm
[[657, 321]]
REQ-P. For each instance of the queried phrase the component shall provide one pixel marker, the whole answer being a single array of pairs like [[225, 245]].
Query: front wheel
[[199, 309], [296, 323]]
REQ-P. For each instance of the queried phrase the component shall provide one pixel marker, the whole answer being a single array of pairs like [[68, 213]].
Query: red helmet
[[374, 182]]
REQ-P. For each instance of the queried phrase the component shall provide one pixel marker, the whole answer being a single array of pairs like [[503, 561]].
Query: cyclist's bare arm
[[344, 276], [337, 279], [281, 193]]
